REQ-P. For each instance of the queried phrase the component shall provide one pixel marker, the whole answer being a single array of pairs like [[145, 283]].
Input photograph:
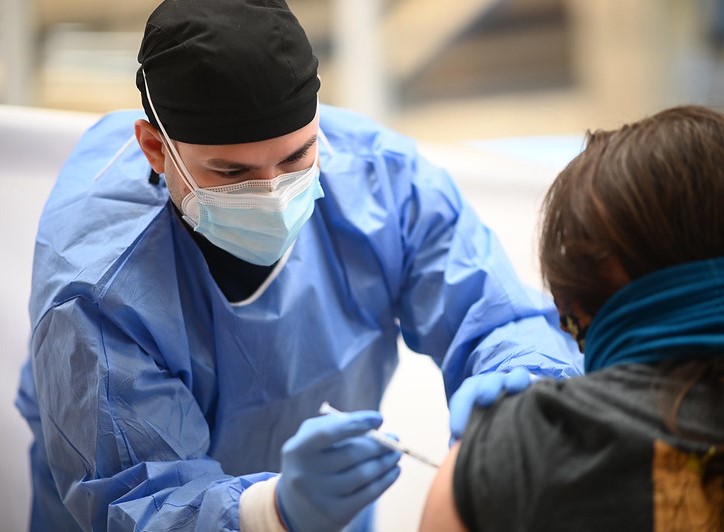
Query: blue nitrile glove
[[331, 471], [483, 390]]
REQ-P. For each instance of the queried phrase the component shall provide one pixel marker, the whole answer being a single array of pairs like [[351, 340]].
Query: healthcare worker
[[208, 273]]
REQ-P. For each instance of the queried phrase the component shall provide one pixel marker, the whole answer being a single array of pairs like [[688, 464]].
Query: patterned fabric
[[683, 499]]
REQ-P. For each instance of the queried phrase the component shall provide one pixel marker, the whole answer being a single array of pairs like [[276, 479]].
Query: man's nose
[[263, 177]]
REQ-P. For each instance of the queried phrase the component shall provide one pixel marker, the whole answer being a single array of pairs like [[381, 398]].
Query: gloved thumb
[[478, 389], [483, 390]]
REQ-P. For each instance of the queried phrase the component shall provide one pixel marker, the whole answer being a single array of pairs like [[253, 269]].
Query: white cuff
[[258, 508]]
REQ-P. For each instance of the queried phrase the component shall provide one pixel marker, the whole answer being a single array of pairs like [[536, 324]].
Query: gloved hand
[[331, 471], [483, 390]]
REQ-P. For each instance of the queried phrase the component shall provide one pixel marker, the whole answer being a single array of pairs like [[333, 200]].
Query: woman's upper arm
[[440, 513]]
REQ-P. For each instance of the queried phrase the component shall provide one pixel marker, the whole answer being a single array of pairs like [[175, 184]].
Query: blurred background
[[498, 91], [461, 69]]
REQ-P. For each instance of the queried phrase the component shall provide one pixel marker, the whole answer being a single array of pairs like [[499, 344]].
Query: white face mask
[[255, 220]]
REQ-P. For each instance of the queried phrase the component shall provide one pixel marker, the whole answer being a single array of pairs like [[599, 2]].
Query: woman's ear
[[149, 139]]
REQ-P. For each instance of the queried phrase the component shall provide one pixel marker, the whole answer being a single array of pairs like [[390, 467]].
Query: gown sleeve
[[461, 301], [125, 440]]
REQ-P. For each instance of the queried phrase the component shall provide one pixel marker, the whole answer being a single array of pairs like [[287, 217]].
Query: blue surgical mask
[[256, 220]]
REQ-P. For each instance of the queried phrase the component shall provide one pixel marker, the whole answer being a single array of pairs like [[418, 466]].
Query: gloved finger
[[372, 490], [488, 388], [517, 380], [357, 477], [348, 453], [478, 389], [336, 485], [353, 503], [323, 431]]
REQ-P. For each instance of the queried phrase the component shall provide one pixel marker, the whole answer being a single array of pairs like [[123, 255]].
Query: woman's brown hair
[[645, 196], [638, 199]]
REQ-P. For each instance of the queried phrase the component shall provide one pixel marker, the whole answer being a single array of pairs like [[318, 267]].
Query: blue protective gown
[[155, 402]]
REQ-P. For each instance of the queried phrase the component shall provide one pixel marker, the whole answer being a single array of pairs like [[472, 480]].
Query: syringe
[[382, 438]]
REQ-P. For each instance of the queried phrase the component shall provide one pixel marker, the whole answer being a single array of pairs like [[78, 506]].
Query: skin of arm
[[440, 513]]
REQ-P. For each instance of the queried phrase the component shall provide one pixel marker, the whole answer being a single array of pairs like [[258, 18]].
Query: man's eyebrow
[[227, 164], [301, 150]]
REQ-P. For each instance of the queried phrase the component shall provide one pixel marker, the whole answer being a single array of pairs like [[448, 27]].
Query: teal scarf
[[674, 313]]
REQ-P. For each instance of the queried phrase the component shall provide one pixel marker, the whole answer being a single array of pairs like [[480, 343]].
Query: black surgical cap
[[227, 71]]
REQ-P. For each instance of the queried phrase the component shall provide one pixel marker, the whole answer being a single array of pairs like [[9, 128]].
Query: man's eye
[[230, 173], [297, 157]]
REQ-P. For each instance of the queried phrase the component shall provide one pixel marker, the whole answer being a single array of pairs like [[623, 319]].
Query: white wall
[[504, 180], [33, 145]]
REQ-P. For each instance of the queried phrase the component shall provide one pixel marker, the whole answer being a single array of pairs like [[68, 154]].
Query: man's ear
[[149, 139]]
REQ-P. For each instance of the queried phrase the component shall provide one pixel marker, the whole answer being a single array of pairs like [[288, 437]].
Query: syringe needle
[[382, 438]]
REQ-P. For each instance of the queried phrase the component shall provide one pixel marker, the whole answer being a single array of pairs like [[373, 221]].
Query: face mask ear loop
[[322, 137], [325, 141], [117, 156], [174, 154]]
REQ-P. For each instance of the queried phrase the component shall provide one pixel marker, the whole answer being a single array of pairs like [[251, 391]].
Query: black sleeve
[[548, 459], [483, 472]]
